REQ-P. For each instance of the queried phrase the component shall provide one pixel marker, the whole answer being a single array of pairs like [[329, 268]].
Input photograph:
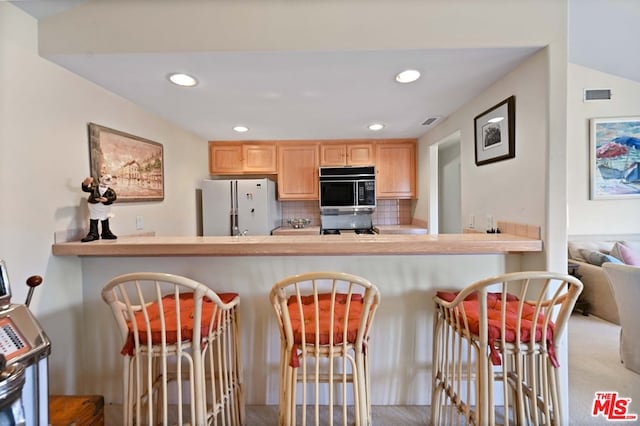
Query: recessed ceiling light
[[183, 80], [496, 120], [241, 129], [408, 76], [376, 126]]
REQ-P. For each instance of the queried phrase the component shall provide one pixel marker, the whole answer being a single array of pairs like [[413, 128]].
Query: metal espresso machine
[[24, 360]]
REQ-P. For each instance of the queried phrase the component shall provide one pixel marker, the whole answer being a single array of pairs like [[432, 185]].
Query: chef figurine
[[100, 200]]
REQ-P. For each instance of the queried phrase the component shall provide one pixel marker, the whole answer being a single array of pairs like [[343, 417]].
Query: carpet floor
[[594, 366]]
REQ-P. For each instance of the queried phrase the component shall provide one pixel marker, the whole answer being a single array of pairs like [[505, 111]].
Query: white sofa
[[597, 290], [625, 282]]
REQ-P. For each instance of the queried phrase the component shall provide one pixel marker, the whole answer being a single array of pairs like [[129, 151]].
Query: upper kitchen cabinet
[[259, 158], [360, 154], [396, 169], [230, 158], [298, 170], [346, 154], [225, 159]]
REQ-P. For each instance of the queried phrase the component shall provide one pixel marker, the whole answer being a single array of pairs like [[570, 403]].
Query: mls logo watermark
[[612, 407]]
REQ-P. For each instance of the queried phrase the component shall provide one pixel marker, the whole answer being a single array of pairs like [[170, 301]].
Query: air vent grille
[[597, 95], [429, 121]]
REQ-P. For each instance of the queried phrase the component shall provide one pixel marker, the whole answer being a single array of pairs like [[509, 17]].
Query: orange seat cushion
[[186, 306], [494, 320], [338, 334]]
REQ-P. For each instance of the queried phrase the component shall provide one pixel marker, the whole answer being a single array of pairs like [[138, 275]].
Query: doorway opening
[[445, 200]]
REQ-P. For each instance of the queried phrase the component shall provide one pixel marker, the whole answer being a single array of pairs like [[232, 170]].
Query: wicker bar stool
[[501, 333], [175, 329], [324, 320]]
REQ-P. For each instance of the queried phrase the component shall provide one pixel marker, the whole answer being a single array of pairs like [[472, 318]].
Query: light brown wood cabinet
[[346, 154], [298, 170], [242, 158], [296, 163], [259, 158], [396, 169]]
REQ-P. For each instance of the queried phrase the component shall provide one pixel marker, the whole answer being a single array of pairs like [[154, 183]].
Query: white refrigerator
[[239, 207]]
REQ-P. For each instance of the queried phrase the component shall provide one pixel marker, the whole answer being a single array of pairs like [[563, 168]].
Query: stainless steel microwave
[[348, 188]]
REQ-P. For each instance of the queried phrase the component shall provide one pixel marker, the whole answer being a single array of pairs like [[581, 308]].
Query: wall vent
[[597, 95], [429, 121]]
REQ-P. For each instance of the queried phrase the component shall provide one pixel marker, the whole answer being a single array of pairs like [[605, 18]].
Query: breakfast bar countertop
[[301, 245]]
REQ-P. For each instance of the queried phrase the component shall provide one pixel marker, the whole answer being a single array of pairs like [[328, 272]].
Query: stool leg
[[126, 395], [282, 393], [367, 387], [238, 368], [435, 388], [201, 405], [290, 395], [362, 396]]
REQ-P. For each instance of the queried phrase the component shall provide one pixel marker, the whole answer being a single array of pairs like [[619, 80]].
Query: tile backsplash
[[388, 212], [301, 209], [392, 212]]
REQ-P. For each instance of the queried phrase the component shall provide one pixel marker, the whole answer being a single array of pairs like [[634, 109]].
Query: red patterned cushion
[[308, 307], [171, 323], [494, 318]]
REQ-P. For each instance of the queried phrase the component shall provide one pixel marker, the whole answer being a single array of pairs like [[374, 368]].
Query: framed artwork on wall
[[135, 164], [495, 133], [615, 157]]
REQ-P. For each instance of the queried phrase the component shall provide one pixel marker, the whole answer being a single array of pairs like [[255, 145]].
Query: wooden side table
[[86, 410], [581, 304]]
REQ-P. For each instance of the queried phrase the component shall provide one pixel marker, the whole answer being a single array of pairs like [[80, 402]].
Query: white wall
[[512, 189], [115, 26], [44, 112], [596, 216]]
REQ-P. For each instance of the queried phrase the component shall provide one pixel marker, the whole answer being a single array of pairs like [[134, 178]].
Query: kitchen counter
[[319, 245], [287, 230], [408, 270], [379, 229], [400, 229]]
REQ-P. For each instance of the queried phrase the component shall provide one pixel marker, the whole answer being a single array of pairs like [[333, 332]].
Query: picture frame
[[614, 146], [495, 133], [135, 164]]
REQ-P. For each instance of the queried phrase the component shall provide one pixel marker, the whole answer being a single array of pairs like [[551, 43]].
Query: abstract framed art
[[614, 157], [135, 164], [495, 133]]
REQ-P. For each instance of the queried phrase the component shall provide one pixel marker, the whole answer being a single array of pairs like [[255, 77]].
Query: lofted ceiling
[[296, 94], [604, 34]]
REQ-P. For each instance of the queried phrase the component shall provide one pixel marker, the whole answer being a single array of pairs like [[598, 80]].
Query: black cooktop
[[337, 231]]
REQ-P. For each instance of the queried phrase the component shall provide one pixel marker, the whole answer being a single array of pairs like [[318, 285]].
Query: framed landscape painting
[[135, 164], [615, 158]]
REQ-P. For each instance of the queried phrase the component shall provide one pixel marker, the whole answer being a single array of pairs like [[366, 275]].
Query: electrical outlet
[[139, 223]]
